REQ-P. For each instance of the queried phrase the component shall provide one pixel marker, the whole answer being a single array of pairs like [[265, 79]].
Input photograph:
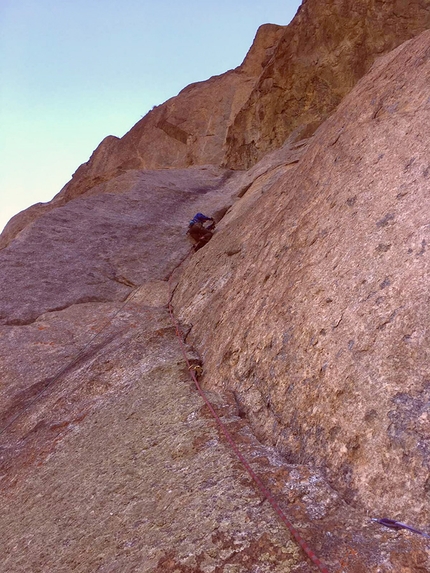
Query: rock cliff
[[291, 80], [327, 271], [308, 311], [189, 129], [321, 55]]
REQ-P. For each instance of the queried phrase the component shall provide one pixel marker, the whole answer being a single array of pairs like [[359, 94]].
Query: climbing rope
[[263, 489]]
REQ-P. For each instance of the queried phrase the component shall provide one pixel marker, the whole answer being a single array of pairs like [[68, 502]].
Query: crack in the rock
[[28, 321], [123, 281]]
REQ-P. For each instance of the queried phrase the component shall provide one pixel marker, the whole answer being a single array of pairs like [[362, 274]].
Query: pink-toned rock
[[97, 402], [321, 55], [316, 313], [310, 310], [113, 464]]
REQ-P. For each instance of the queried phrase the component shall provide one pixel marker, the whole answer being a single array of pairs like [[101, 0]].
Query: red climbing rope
[[263, 489]]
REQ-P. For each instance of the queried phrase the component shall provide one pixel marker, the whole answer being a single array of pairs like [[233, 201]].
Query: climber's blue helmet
[[200, 218]]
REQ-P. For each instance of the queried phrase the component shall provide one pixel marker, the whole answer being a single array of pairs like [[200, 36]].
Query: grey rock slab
[[96, 248], [116, 466]]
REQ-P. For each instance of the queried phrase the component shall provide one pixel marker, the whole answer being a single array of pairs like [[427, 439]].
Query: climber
[[198, 232]]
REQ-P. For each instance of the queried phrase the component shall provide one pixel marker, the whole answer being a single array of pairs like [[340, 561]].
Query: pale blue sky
[[74, 71]]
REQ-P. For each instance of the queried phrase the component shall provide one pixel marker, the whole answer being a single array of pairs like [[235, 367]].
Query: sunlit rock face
[[189, 129], [321, 55], [308, 310], [316, 312], [291, 80]]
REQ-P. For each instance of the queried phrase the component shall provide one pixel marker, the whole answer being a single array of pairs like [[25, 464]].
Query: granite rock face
[[291, 80], [322, 54], [308, 311], [316, 313], [109, 460]]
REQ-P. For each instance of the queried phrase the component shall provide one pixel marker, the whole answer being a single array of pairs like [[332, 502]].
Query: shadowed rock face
[[317, 310], [96, 248]]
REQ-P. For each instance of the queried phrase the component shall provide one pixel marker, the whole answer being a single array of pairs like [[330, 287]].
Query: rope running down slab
[[263, 489]]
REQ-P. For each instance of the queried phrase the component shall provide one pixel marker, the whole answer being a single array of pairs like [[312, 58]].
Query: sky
[[74, 71]]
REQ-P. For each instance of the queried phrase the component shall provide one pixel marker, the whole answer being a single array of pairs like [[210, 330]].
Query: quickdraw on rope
[[263, 489], [398, 525]]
